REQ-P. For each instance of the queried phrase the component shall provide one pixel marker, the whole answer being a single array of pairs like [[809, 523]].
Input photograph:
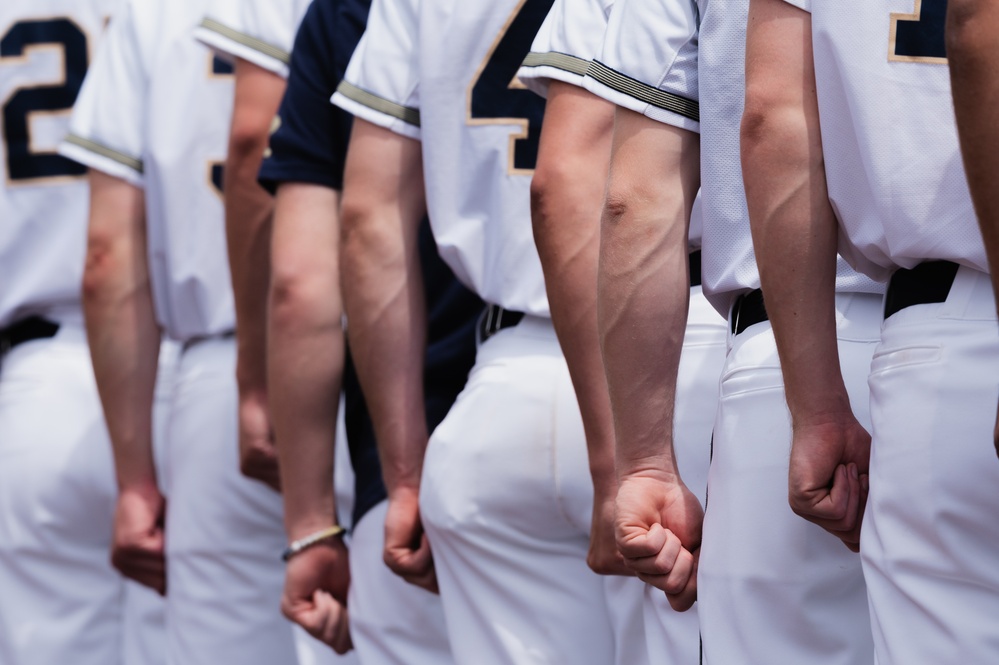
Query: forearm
[[566, 198], [248, 212], [122, 332], [972, 26], [305, 352], [795, 232], [383, 294], [643, 287]]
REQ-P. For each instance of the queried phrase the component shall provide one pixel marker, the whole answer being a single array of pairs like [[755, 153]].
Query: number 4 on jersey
[[497, 98], [919, 37]]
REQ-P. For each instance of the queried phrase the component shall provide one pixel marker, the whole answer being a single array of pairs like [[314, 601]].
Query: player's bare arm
[[383, 203], [972, 26], [248, 210], [567, 194], [795, 237], [124, 344], [305, 355], [643, 294]]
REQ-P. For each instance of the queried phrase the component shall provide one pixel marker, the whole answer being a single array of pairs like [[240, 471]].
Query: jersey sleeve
[[310, 142], [106, 128], [568, 40], [381, 85], [258, 31], [805, 5], [648, 62]]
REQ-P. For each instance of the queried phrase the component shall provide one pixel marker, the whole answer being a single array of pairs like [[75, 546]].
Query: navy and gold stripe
[[643, 92], [405, 113], [246, 40], [133, 163], [563, 61]]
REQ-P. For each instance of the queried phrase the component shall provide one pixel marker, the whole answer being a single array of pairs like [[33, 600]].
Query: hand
[[407, 551], [604, 558], [658, 531], [138, 548], [257, 454], [828, 476], [315, 593]]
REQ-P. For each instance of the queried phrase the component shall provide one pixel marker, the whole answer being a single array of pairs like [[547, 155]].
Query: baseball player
[[771, 588], [152, 123], [391, 621], [567, 197], [61, 600], [257, 38], [504, 491], [899, 209], [971, 25]]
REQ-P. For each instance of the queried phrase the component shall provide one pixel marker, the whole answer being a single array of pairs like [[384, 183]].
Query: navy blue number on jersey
[[217, 173], [494, 99], [22, 162], [920, 36]]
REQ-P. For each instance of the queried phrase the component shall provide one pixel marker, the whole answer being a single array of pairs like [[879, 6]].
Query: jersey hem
[[372, 101], [95, 156], [232, 42], [643, 92]]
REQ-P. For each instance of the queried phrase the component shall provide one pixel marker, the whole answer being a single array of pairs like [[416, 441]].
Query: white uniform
[[506, 495], [391, 621], [570, 38], [61, 601], [257, 31], [930, 538], [154, 111], [772, 588]]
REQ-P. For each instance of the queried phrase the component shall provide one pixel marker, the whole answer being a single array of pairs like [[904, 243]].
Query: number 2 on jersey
[[495, 97], [919, 36], [24, 162]]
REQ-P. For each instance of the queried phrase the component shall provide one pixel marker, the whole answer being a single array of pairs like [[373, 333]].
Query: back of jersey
[[889, 136], [46, 47], [445, 72], [155, 112]]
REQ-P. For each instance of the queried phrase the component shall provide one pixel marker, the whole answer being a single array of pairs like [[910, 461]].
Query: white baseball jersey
[[683, 63], [568, 40], [258, 31], [45, 49], [154, 111], [893, 164], [423, 70]]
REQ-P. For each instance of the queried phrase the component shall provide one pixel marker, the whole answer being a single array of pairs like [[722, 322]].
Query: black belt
[[748, 311], [694, 259], [926, 283], [495, 319], [26, 330]]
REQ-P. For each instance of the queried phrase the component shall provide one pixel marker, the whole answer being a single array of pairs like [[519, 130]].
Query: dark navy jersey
[[310, 145]]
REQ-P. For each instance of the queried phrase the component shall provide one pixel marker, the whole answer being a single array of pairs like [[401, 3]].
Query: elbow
[[99, 269], [302, 298], [248, 138], [757, 129], [548, 185], [967, 29]]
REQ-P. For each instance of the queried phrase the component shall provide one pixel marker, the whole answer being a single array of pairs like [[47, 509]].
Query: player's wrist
[[661, 468]]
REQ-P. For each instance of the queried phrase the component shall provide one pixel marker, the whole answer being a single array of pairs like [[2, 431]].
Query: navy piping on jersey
[[405, 113], [563, 61], [133, 163], [643, 92]]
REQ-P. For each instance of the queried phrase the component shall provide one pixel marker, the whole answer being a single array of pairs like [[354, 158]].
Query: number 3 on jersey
[[25, 163], [919, 36], [497, 98]]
